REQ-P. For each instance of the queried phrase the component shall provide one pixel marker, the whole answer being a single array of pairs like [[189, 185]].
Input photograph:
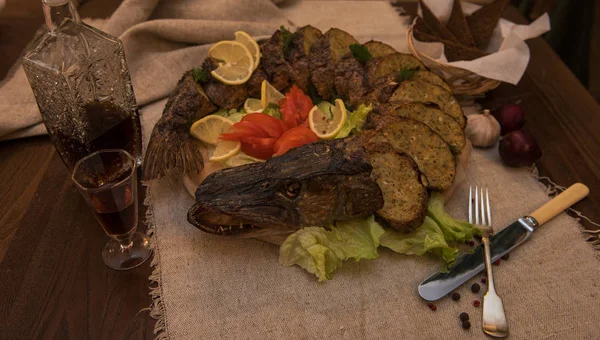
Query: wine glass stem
[[125, 243]]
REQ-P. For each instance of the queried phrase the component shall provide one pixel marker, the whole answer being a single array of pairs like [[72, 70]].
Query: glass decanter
[[81, 83]]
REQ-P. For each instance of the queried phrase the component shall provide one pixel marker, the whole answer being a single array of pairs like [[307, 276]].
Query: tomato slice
[[295, 107], [287, 109], [257, 150], [253, 126], [270, 125], [282, 126], [303, 103], [266, 142], [293, 138], [243, 129]]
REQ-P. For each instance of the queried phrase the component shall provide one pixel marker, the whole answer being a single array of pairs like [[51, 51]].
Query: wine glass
[[107, 180]]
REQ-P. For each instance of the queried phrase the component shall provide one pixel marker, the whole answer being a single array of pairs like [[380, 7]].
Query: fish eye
[[292, 189]]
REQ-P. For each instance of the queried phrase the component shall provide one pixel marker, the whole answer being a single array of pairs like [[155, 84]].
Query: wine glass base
[[120, 258]]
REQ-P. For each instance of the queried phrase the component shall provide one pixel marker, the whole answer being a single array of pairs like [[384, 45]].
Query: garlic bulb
[[483, 129]]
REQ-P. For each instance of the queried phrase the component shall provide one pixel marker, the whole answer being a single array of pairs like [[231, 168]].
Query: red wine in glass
[[116, 211], [107, 179]]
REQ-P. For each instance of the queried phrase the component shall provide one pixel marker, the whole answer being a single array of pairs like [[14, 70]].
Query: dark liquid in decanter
[[109, 128]]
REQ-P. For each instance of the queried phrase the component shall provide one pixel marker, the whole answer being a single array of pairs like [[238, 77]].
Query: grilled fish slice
[[350, 80], [405, 196], [391, 65], [379, 49], [254, 84], [422, 144], [280, 72], [419, 91], [429, 115], [223, 95], [430, 77], [297, 54], [325, 53], [381, 90]]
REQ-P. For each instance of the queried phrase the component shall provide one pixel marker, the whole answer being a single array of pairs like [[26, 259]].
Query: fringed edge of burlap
[[157, 309], [592, 237]]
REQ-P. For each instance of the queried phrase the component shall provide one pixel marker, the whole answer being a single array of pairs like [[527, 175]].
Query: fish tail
[[170, 149]]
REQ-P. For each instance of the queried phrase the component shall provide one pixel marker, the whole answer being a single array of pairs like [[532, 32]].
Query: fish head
[[311, 187]]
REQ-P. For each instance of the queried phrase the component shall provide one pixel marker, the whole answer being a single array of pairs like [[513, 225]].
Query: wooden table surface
[[53, 281]]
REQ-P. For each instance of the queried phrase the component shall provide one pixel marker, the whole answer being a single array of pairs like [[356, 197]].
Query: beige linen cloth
[[208, 287]]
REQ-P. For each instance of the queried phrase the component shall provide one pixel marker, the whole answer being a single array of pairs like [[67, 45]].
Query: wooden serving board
[[191, 182]]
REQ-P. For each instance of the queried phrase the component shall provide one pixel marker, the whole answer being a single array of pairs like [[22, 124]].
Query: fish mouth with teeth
[[313, 185]]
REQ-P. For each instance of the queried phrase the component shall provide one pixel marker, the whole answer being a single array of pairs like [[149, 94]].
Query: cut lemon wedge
[[269, 95], [253, 105], [326, 120], [235, 62], [209, 128], [246, 40], [224, 150]]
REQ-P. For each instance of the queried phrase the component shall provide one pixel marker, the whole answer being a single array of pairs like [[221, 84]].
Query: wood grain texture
[[564, 118], [54, 283]]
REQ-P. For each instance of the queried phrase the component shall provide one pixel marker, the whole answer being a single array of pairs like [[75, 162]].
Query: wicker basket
[[462, 82]]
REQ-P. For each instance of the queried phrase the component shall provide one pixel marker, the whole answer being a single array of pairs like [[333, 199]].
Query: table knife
[[469, 265]]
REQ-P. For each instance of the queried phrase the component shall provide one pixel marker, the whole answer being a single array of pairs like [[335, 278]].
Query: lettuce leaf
[[321, 251], [434, 235], [233, 114], [355, 121], [428, 238], [453, 229], [273, 111]]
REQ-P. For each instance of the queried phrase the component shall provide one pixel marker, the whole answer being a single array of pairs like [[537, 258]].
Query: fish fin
[[170, 149]]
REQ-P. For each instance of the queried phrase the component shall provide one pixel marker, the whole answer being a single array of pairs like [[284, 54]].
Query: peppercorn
[[506, 256], [476, 303], [483, 280], [455, 296], [475, 288], [466, 324], [464, 316]]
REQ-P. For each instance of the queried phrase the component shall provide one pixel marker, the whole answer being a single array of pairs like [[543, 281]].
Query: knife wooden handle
[[560, 203]]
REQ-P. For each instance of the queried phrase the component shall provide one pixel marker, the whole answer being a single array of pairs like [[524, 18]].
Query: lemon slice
[[235, 62], [246, 40], [269, 95], [242, 159], [253, 105], [209, 128], [326, 120], [224, 150]]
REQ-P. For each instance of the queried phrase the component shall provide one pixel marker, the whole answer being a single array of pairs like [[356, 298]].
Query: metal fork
[[494, 319]]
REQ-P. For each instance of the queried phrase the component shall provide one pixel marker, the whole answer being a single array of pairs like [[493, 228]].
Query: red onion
[[519, 148], [511, 117]]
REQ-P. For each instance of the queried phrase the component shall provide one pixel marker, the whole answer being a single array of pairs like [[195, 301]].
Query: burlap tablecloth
[[209, 287]]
